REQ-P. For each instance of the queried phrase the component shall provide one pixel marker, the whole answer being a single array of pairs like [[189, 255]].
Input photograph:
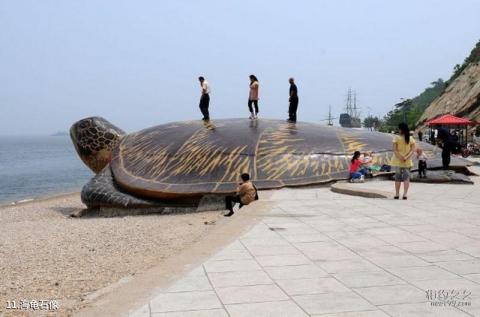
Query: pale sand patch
[[45, 254]]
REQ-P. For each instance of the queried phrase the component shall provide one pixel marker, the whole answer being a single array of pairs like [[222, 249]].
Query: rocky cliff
[[462, 95]]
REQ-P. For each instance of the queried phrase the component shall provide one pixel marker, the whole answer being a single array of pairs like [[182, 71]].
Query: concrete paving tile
[[240, 278], [383, 250], [264, 241], [450, 239], [231, 265], [422, 228], [421, 310], [251, 294], [316, 237], [295, 272], [461, 267], [231, 255], [446, 255], [366, 279], [282, 260], [167, 302], [194, 313], [259, 250], [398, 261], [344, 266], [421, 273], [422, 247], [365, 313], [311, 286], [386, 229], [473, 250], [332, 303], [268, 309], [393, 294], [457, 284], [361, 243], [328, 226], [326, 251], [339, 235], [190, 283], [473, 277], [300, 230], [401, 237]]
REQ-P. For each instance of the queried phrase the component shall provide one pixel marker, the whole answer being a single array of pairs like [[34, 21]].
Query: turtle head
[[94, 139]]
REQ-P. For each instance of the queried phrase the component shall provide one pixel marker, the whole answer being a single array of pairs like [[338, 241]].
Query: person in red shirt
[[356, 173]]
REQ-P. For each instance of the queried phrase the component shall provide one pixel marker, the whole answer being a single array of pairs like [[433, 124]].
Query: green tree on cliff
[[410, 110]]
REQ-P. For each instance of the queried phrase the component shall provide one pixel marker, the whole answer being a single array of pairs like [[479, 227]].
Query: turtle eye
[[83, 125]]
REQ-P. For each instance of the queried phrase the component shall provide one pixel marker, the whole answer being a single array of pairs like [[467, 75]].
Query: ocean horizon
[[33, 167]]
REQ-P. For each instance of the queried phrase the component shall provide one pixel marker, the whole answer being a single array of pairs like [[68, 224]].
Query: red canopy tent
[[450, 121]]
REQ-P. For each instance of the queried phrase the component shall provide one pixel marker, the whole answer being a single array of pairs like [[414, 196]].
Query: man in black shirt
[[293, 99], [205, 98]]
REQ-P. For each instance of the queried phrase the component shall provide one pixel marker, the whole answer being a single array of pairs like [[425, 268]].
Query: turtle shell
[[195, 158]]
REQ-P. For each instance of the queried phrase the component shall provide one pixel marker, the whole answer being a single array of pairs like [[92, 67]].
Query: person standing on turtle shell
[[205, 98], [246, 193], [253, 97], [293, 100]]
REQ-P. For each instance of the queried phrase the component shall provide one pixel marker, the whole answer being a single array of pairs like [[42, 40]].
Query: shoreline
[[46, 197]]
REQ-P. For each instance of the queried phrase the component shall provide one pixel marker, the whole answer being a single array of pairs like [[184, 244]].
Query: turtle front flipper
[[101, 191]]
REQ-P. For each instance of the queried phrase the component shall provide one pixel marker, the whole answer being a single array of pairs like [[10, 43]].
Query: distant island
[[60, 133]]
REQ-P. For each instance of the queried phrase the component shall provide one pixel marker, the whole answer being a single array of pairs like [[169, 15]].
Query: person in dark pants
[[293, 100], [246, 193], [447, 146], [420, 136], [205, 98]]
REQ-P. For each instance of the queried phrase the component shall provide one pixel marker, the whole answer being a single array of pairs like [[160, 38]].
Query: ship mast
[[330, 121], [348, 107], [355, 109]]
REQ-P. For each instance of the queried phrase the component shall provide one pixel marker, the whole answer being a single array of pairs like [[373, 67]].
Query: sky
[[136, 63]]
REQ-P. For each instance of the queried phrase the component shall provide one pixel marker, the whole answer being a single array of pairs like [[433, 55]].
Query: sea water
[[38, 166]]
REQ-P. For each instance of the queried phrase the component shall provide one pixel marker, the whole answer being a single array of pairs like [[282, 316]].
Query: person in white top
[[253, 97], [205, 98]]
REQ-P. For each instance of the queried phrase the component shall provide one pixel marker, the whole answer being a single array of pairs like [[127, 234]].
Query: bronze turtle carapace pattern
[[180, 162]]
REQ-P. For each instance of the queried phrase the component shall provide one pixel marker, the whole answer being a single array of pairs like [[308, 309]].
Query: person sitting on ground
[[356, 173], [422, 163], [246, 193]]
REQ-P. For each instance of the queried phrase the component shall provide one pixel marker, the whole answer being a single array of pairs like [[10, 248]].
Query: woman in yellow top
[[403, 148]]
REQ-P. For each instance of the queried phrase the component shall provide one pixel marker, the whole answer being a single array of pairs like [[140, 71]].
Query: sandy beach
[[47, 255]]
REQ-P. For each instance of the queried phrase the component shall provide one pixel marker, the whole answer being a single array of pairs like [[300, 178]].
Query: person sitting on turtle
[[356, 173], [367, 163], [246, 193]]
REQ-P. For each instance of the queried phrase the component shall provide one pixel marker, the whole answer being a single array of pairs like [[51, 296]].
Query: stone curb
[[355, 189]]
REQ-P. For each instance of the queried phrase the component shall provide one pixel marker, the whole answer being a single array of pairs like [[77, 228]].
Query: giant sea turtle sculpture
[[176, 164]]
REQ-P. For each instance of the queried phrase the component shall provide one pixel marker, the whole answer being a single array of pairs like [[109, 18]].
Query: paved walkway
[[319, 253]]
